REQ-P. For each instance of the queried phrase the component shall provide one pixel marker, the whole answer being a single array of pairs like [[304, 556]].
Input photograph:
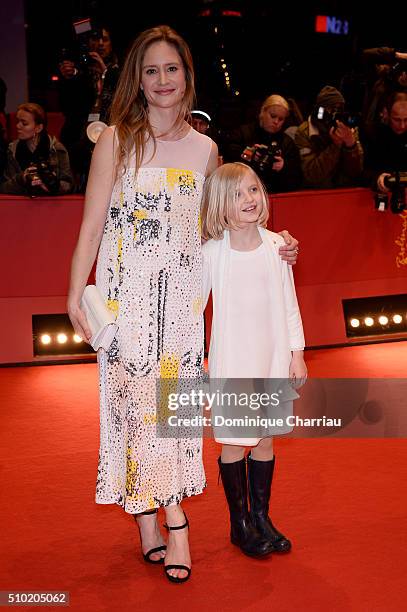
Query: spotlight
[[355, 322], [226, 74], [54, 336], [237, 93], [223, 65], [380, 315]]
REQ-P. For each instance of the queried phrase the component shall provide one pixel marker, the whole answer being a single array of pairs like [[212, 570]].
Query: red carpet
[[343, 503]]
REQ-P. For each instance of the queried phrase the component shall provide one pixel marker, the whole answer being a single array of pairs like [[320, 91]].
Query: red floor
[[341, 501]]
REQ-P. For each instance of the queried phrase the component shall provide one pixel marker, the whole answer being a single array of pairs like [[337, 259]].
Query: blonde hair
[[274, 100], [38, 113], [218, 209], [129, 108]]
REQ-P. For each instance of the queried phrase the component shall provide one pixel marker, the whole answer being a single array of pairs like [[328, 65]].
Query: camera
[[398, 68], [397, 184], [330, 119], [84, 32], [261, 156], [43, 171]]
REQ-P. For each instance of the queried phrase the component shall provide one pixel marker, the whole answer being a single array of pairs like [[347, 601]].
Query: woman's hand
[[298, 369], [289, 251], [78, 320]]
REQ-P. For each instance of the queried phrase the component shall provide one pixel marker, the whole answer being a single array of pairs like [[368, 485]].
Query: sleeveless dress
[[149, 271]]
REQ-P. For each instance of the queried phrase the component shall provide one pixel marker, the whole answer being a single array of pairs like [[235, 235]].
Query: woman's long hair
[[129, 111]]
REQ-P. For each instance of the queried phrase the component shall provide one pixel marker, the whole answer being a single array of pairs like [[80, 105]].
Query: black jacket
[[289, 178], [385, 152]]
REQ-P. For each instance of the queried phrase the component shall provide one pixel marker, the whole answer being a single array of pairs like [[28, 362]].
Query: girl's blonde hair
[[129, 109], [219, 200]]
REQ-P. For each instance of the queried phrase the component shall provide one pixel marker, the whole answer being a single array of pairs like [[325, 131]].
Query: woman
[[142, 208], [265, 146], [37, 164]]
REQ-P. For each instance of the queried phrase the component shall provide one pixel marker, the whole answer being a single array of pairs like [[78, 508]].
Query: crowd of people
[[330, 148]]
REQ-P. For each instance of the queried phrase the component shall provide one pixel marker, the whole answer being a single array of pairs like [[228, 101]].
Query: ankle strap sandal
[[147, 555], [175, 566]]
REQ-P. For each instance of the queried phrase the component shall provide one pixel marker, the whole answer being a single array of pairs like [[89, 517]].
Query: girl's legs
[[260, 469], [263, 451], [177, 545], [231, 453], [232, 466]]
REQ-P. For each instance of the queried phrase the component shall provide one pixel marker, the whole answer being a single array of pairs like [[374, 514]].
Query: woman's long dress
[[149, 271]]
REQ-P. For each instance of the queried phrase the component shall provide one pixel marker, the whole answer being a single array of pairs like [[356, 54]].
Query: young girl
[[256, 333]]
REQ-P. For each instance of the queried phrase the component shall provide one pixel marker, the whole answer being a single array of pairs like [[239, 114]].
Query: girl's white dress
[[256, 320]]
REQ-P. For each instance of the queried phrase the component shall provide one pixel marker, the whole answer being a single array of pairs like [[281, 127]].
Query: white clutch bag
[[101, 321]]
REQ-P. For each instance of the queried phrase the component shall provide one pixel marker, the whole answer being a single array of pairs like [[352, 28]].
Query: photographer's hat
[[330, 97]]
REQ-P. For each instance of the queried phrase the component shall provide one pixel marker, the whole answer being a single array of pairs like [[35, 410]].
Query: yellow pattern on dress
[[131, 473], [139, 215], [169, 372], [113, 306], [177, 176]]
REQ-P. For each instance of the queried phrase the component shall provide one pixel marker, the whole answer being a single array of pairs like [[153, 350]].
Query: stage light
[[223, 65], [237, 93], [60, 338], [226, 73], [380, 315], [355, 322]]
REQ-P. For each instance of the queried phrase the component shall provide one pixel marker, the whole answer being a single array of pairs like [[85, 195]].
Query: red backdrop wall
[[348, 249]]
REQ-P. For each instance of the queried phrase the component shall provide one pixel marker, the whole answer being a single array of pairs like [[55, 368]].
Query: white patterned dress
[[149, 271]]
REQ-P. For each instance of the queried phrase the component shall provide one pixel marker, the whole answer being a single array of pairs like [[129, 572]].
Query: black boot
[[260, 477], [242, 531]]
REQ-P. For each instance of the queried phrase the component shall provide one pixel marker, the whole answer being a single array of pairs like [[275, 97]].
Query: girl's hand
[[289, 252], [79, 321], [298, 370]]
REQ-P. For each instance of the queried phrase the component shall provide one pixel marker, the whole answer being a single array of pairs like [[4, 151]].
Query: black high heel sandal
[[172, 566], [147, 555]]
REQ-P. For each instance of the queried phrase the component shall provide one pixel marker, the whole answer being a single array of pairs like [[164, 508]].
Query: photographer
[[86, 91], [386, 148], [267, 149], [329, 147], [37, 164], [385, 71]]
